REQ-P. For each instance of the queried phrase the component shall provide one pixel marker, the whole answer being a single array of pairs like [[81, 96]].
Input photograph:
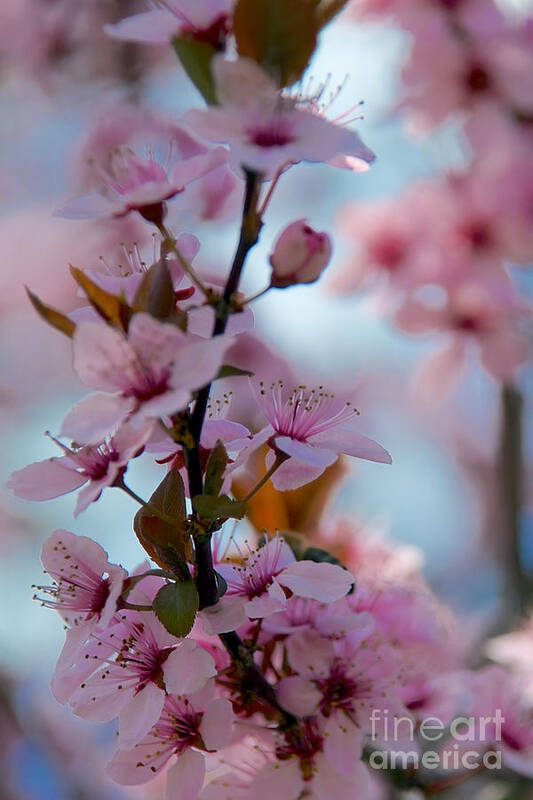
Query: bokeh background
[[58, 71]]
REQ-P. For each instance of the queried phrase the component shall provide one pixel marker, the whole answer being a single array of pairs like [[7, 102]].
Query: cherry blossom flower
[[257, 587], [286, 766], [93, 466], [141, 184], [264, 129], [188, 724], [151, 373], [83, 596], [309, 427], [508, 726], [133, 683], [202, 19], [343, 683], [485, 314]]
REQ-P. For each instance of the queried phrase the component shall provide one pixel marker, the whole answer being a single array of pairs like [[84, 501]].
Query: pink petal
[[292, 474], [65, 680], [328, 783], [281, 780], [440, 373], [188, 668], [217, 724], [343, 743], [269, 603], [319, 581], [190, 169], [94, 417], [44, 480], [198, 362], [151, 27], [227, 615], [93, 490], [99, 700], [310, 654], [139, 715], [222, 429], [351, 443], [298, 696], [102, 357], [305, 452], [156, 343], [88, 206], [185, 779]]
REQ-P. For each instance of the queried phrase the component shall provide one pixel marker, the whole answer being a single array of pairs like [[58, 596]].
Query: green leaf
[[210, 507], [169, 497], [111, 308], [167, 541], [54, 318], [280, 35], [175, 606], [155, 293], [227, 371], [214, 471], [195, 57]]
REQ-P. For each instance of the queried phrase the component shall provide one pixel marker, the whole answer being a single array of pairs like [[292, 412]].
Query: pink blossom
[[285, 765], [139, 664], [508, 725], [309, 427], [487, 315], [187, 725], [151, 372], [93, 466], [300, 255], [203, 19], [138, 129], [83, 596], [143, 185], [264, 129], [343, 683], [257, 587]]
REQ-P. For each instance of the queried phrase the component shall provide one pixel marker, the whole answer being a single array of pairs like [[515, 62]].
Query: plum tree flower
[[92, 466], [264, 129], [81, 594], [342, 683], [151, 372], [143, 185], [148, 663], [257, 587], [202, 19], [188, 724], [308, 426]]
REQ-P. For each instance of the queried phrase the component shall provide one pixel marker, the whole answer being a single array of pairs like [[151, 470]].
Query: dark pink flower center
[[149, 384], [338, 690], [274, 133], [94, 461]]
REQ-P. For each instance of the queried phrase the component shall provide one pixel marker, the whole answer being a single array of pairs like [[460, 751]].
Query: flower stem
[[146, 504], [170, 241], [280, 458]]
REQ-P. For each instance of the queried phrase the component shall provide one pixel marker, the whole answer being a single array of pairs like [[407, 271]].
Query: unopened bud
[[300, 254]]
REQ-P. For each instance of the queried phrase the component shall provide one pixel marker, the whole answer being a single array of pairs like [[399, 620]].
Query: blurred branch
[[510, 470]]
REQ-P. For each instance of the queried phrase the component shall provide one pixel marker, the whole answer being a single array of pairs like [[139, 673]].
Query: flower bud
[[300, 254]]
